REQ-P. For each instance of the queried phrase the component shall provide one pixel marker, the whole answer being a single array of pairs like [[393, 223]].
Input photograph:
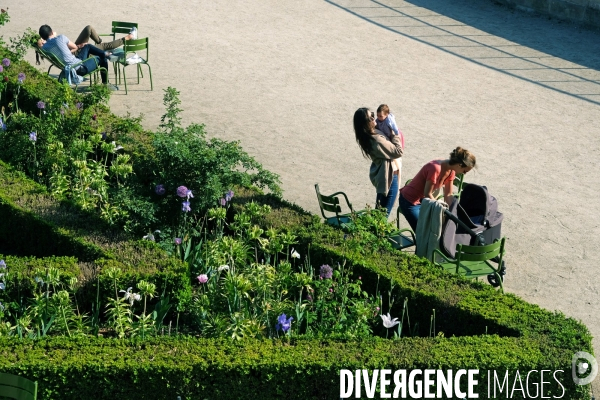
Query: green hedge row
[[32, 223], [166, 367]]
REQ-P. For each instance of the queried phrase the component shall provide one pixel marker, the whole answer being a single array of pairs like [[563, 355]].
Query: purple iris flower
[[229, 195], [326, 272], [223, 202], [185, 206], [2, 125], [283, 323], [6, 62], [160, 189], [177, 241], [1, 68], [2, 264], [182, 191], [189, 194], [41, 105], [33, 137], [21, 77]]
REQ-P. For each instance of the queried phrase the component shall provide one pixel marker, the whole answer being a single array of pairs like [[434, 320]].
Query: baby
[[386, 123]]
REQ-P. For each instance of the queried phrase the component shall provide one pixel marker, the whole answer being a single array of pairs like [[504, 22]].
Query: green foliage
[[21, 43], [299, 369], [171, 119], [76, 154], [4, 18]]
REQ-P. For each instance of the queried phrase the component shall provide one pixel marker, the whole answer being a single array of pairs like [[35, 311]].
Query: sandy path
[[284, 77]]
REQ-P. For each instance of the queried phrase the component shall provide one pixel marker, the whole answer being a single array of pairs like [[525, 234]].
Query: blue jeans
[[85, 53], [387, 201], [410, 212]]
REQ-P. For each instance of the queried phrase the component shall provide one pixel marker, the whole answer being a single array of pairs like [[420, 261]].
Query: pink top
[[413, 192]]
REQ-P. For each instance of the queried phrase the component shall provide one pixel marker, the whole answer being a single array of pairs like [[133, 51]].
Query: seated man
[[62, 48], [90, 33]]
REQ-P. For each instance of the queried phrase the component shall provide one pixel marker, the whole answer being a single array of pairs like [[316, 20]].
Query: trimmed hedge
[[166, 367], [32, 223]]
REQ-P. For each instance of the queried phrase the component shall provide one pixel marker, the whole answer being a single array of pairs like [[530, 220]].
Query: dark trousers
[[85, 52]]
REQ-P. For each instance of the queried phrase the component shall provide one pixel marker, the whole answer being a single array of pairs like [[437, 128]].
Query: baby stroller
[[473, 220]]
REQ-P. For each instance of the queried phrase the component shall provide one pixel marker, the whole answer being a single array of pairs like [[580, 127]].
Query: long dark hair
[[363, 130]]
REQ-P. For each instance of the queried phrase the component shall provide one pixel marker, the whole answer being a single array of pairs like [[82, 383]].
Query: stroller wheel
[[493, 280]]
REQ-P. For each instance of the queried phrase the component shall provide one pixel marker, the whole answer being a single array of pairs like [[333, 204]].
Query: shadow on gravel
[[556, 55]]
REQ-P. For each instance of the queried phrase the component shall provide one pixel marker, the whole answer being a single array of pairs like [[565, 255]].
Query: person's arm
[[428, 191], [431, 176], [72, 46], [448, 198], [392, 149], [393, 125]]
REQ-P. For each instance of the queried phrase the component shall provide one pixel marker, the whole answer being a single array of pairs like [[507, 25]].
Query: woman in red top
[[433, 176]]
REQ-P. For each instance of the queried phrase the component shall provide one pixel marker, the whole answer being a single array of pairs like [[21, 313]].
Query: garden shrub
[[166, 367]]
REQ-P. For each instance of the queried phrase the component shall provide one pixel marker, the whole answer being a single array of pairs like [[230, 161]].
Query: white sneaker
[[133, 33]]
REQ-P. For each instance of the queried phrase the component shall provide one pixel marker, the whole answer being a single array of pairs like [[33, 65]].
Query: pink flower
[[202, 278], [182, 191], [177, 241]]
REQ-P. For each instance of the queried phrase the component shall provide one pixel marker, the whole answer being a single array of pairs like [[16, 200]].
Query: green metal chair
[[119, 27], [331, 204], [474, 261], [55, 62], [17, 387], [404, 237], [134, 46]]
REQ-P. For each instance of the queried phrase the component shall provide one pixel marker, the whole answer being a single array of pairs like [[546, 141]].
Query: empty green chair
[[130, 52], [331, 204], [17, 387]]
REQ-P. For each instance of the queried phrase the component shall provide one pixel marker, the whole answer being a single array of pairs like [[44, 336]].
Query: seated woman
[[381, 149], [433, 176]]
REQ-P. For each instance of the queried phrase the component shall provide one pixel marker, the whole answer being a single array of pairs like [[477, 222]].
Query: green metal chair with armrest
[[474, 261], [133, 46], [404, 237], [61, 66], [331, 204], [119, 27], [17, 388]]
